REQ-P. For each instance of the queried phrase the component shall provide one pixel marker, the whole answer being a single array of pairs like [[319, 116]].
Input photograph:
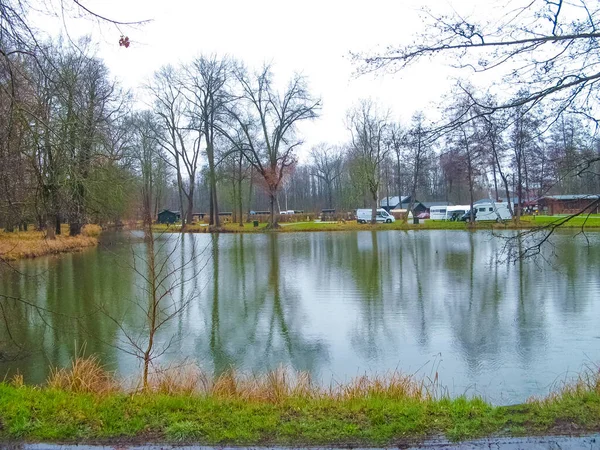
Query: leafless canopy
[[547, 48]]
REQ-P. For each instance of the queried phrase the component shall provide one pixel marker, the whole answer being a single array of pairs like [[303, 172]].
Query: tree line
[[218, 137]]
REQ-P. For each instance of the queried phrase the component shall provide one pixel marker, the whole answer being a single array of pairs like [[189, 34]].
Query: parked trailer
[[438, 212], [455, 212], [489, 211], [365, 216]]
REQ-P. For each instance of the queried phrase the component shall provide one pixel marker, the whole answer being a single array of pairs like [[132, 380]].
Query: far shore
[[586, 222]]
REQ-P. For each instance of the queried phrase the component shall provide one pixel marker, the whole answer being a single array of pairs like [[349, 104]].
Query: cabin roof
[[569, 197], [430, 204], [393, 201]]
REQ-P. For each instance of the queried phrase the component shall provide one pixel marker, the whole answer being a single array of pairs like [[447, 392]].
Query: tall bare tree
[[327, 163], [264, 125], [418, 152], [547, 49], [367, 129], [206, 82], [180, 140]]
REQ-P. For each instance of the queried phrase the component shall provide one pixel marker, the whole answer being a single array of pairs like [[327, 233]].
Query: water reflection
[[335, 304]]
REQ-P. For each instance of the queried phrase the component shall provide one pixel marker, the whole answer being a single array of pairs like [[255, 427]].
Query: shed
[[168, 216], [569, 204], [391, 203]]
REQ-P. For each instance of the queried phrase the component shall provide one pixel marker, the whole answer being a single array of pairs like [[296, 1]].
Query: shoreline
[[32, 244], [528, 223], [184, 405]]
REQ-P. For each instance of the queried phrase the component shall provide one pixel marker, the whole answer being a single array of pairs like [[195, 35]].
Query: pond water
[[337, 304]]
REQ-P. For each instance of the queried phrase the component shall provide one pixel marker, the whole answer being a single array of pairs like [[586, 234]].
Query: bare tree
[[418, 152], [178, 139], [397, 141], [264, 125], [548, 50], [327, 166], [367, 128], [205, 86]]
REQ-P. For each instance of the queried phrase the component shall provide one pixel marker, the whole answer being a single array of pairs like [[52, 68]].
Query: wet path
[[531, 443]]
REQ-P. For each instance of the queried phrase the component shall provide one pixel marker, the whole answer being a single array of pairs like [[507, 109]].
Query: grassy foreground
[[83, 404], [29, 244]]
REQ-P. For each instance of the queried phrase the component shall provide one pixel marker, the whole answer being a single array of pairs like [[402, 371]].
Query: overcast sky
[[312, 37]]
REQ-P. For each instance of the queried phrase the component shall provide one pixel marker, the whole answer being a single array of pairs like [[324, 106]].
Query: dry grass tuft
[[392, 386], [588, 381], [17, 380], [276, 386], [185, 379], [273, 387], [86, 375], [91, 230]]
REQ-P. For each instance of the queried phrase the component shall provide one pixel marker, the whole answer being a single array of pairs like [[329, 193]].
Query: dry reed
[[276, 386], [30, 244], [86, 375], [588, 381]]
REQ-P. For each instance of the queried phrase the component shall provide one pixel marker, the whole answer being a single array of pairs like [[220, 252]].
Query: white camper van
[[438, 212], [365, 215], [489, 211], [455, 212]]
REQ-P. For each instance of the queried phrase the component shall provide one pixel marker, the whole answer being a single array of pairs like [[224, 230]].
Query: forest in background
[[220, 137]]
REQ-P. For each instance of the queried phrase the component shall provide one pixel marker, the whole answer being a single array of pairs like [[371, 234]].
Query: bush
[[91, 230]]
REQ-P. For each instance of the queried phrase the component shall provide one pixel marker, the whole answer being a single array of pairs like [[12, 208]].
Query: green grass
[[591, 222], [45, 414]]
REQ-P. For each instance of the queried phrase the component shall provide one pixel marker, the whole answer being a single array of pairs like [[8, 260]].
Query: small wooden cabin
[[568, 204], [168, 216]]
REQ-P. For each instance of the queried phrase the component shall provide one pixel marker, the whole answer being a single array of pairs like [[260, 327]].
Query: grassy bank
[[277, 408], [29, 244], [527, 222]]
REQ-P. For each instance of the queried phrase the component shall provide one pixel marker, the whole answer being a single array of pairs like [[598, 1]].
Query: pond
[[337, 304]]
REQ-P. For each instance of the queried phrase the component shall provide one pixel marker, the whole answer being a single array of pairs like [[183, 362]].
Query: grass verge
[[592, 222], [30, 244], [276, 409]]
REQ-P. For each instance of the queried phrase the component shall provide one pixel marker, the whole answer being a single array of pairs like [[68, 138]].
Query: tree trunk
[[240, 203], [272, 200], [50, 230], [374, 209], [57, 224], [190, 205]]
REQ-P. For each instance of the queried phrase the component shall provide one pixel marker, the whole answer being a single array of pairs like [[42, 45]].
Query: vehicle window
[[481, 209], [491, 209]]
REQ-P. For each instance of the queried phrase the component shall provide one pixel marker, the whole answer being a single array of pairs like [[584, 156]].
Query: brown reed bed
[[31, 244]]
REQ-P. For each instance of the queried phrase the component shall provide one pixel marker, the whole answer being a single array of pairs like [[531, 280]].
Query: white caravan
[[489, 211], [438, 212], [455, 212], [365, 216]]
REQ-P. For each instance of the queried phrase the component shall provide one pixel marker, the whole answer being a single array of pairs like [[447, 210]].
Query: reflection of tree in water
[[390, 277], [474, 303], [256, 325], [366, 271], [574, 261], [72, 285]]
